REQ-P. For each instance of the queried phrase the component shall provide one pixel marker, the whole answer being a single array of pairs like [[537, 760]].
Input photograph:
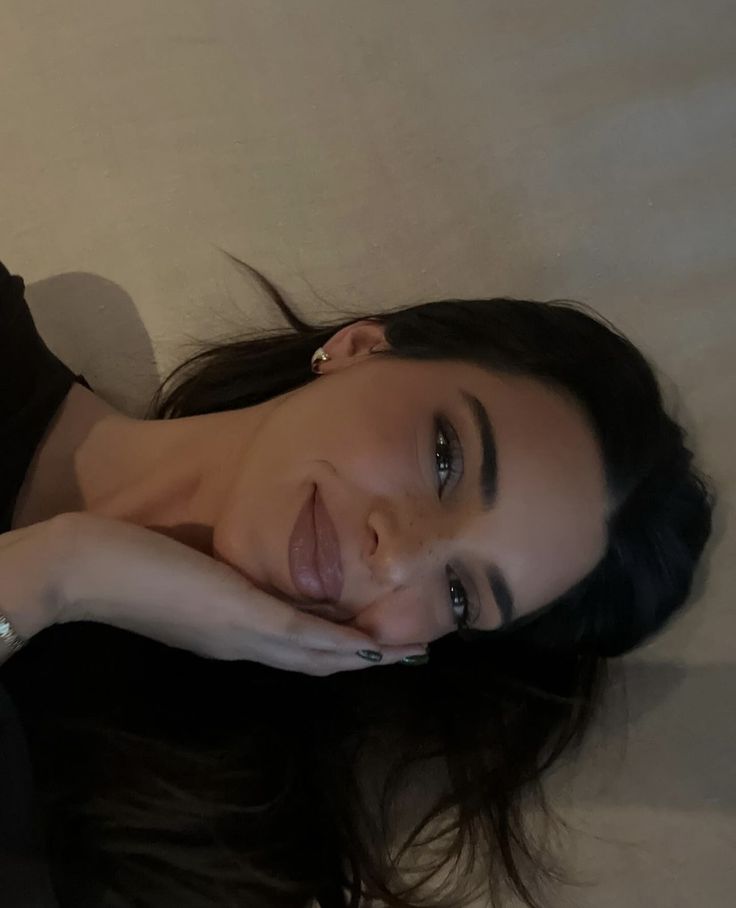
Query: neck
[[169, 475]]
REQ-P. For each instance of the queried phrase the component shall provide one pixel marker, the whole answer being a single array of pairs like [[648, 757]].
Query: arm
[[83, 567], [31, 563]]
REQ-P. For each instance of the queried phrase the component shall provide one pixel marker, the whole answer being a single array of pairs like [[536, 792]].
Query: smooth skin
[[231, 485]]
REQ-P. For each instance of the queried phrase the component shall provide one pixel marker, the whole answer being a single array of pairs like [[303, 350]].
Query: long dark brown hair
[[171, 780]]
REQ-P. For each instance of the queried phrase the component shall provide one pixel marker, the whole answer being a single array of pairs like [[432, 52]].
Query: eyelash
[[447, 432]]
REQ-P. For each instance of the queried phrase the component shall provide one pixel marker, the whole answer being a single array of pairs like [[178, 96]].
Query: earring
[[319, 356]]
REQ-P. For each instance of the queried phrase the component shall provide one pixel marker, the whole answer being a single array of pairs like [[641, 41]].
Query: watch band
[[8, 634]]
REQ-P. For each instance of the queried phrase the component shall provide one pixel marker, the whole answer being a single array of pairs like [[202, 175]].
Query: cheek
[[372, 441], [370, 455], [404, 618]]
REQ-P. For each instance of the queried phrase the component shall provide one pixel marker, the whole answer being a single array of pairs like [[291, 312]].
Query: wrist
[[10, 639], [33, 561]]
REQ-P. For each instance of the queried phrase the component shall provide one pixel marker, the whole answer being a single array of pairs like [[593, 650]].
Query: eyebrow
[[488, 482]]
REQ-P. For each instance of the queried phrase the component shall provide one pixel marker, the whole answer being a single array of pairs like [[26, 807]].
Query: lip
[[314, 552]]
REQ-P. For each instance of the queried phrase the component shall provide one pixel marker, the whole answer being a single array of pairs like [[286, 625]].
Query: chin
[[218, 556], [259, 584]]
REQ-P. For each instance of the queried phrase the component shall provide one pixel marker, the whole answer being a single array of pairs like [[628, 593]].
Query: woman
[[496, 480]]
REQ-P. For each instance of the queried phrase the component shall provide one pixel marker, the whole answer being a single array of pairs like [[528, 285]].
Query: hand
[[142, 581]]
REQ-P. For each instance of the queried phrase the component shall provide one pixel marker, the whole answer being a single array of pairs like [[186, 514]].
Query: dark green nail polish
[[370, 654], [415, 660]]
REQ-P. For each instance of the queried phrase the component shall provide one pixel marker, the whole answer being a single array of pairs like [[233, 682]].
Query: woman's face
[[418, 536]]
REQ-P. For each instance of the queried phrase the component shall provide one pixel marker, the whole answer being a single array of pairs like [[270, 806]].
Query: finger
[[392, 654], [386, 655], [331, 663], [312, 632]]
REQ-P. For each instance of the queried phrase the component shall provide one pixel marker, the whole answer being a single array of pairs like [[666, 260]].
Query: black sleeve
[[24, 878]]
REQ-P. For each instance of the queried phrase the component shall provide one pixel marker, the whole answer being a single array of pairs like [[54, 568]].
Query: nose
[[405, 540]]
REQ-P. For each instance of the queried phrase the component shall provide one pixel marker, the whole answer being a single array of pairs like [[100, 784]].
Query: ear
[[353, 344]]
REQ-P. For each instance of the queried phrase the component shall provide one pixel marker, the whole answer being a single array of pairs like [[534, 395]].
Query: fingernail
[[370, 654], [415, 660]]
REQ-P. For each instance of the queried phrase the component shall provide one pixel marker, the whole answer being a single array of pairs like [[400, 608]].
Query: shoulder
[[12, 293], [8, 280]]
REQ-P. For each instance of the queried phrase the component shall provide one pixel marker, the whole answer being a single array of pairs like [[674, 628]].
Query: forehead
[[547, 527]]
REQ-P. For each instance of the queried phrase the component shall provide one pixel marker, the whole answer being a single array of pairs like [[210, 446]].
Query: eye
[[448, 453], [458, 600], [449, 457]]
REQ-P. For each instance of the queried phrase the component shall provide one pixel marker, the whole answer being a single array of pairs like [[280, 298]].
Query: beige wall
[[373, 153]]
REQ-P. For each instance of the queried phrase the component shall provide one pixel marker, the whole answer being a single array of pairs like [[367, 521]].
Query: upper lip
[[314, 553], [328, 560]]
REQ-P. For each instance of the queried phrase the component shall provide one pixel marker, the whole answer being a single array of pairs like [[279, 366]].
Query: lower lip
[[314, 553]]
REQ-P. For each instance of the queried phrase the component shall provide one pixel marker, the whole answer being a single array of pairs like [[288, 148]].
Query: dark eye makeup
[[449, 460]]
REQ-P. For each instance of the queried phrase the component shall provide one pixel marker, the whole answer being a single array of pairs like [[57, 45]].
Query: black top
[[33, 384]]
